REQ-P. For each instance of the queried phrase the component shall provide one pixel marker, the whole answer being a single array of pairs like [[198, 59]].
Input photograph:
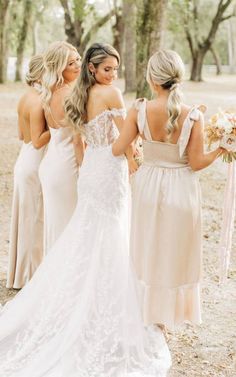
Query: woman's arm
[[79, 147], [115, 101], [20, 133], [198, 159], [39, 135], [19, 122], [128, 134]]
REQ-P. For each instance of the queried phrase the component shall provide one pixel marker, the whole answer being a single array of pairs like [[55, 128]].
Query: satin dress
[[58, 174], [166, 227], [26, 231]]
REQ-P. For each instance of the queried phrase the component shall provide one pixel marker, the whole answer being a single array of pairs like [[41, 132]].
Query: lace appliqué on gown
[[101, 130], [79, 316]]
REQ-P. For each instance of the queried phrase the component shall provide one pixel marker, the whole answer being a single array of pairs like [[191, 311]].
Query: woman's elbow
[[20, 136], [37, 144], [115, 151], [195, 166]]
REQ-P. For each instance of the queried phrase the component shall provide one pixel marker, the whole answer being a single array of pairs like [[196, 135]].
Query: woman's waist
[[102, 157], [27, 149], [165, 163]]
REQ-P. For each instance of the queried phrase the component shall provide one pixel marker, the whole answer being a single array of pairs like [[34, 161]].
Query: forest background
[[203, 32]]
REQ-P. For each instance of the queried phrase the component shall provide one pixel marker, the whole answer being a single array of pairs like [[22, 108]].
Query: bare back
[[55, 115], [157, 117], [27, 104]]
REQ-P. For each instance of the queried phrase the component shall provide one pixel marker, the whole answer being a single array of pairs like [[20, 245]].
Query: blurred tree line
[[202, 31]]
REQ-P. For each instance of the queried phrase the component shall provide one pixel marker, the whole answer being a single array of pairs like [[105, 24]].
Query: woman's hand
[[133, 166]]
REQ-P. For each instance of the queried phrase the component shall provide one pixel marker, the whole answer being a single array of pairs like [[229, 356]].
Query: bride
[[79, 316]]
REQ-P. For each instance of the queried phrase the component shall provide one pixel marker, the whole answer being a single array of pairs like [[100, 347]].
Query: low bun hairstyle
[[166, 69], [35, 70]]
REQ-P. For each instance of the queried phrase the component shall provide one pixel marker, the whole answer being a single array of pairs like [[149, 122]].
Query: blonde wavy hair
[[76, 105], [55, 61], [35, 70], [166, 69]]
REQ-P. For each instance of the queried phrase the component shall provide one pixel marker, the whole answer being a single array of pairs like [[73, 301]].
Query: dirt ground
[[206, 350]]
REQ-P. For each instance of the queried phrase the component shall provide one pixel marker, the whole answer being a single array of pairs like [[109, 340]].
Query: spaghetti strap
[[193, 116], [140, 105], [50, 111], [54, 120]]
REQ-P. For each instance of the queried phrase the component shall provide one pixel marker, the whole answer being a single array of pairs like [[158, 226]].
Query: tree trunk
[[200, 46], [28, 7], [35, 37], [118, 37], [216, 60], [197, 64], [150, 25], [3, 45], [232, 46], [74, 29], [129, 14]]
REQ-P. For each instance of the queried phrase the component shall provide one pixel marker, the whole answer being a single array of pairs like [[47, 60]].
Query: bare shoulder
[[63, 91], [132, 114], [30, 100], [34, 102], [185, 109], [112, 90], [21, 102], [60, 94], [114, 97]]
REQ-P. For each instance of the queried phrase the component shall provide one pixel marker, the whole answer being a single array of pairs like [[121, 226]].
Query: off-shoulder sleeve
[[140, 106], [193, 115], [118, 112]]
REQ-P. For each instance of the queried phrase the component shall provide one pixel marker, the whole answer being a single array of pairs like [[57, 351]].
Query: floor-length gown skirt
[[167, 253], [58, 174], [79, 316], [26, 231]]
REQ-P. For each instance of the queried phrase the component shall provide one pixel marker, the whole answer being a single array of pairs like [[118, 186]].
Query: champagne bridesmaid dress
[[26, 232], [166, 227], [58, 174]]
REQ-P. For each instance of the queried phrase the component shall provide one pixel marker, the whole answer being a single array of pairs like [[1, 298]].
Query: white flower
[[225, 124]]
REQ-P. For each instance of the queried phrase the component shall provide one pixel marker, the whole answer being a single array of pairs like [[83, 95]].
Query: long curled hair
[[35, 70], [55, 61], [76, 105], [166, 69]]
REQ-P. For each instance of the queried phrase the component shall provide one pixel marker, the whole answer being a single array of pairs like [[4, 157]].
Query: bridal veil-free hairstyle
[[55, 61], [76, 104], [35, 70], [166, 68]]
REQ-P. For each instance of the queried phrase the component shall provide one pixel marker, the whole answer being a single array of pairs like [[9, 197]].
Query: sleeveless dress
[[26, 231], [58, 173], [79, 315], [166, 227]]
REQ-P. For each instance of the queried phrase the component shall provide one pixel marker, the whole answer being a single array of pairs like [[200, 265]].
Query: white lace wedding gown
[[79, 315]]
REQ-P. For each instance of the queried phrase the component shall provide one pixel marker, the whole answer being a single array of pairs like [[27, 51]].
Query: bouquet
[[222, 127]]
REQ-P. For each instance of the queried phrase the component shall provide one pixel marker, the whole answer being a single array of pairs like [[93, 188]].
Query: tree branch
[[67, 16], [189, 37], [215, 23], [95, 27], [227, 17], [190, 41]]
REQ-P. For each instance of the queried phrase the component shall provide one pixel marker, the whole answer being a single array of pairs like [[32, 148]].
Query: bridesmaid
[[26, 233], [59, 168], [166, 206]]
